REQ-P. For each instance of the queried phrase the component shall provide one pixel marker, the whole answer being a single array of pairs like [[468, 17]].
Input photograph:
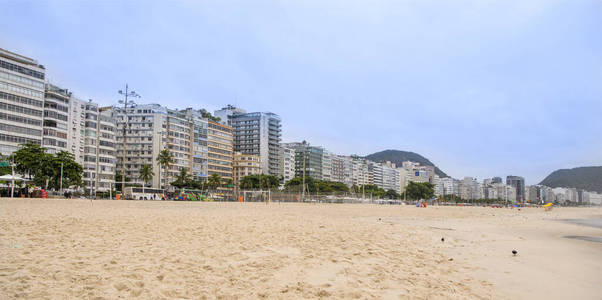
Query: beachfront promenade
[[62, 248]]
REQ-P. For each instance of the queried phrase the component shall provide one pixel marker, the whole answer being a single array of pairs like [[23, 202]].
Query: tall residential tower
[[21, 101], [256, 133]]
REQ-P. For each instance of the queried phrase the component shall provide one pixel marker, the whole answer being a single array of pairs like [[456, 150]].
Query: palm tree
[[182, 180], [165, 159], [146, 174], [215, 181]]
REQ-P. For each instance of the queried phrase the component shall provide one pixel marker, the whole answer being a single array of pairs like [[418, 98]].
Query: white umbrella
[[10, 177]]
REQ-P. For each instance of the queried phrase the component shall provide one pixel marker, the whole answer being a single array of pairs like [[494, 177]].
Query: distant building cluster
[[232, 143]]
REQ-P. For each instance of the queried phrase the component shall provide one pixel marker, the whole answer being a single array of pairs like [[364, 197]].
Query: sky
[[481, 88]]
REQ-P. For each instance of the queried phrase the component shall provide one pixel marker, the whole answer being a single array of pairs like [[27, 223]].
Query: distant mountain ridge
[[398, 157], [586, 178]]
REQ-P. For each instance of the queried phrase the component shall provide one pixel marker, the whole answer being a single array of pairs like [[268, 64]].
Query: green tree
[[249, 182], [208, 115], [259, 181], [45, 171], [32, 160], [165, 159], [118, 181], [28, 158], [182, 180], [195, 184], [330, 187], [371, 190], [146, 175], [295, 184], [391, 194], [228, 182], [72, 171], [316, 186], [214, 181], [7, 169], [420, 190]]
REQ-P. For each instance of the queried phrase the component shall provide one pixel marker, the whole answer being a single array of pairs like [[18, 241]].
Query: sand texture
[[65, 249]]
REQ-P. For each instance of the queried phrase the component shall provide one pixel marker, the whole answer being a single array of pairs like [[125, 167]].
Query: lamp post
[[12, 183], [61, 185], [303, 180], [126, 104]]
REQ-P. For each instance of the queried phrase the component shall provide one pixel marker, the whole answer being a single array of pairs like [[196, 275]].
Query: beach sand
[[63, 249]]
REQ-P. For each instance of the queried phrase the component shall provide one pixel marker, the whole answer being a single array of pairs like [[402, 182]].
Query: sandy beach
[[62, 249]]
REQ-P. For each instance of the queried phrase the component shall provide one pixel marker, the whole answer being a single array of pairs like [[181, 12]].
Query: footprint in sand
[[120, 286]]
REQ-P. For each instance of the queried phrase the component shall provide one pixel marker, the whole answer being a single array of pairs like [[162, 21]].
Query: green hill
[[587, 178], [397, 157]]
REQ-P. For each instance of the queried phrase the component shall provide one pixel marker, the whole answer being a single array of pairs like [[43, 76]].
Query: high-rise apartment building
[[220, 144], [145, 131], [256, 133], [438, 186], [287, 163], [327, 165], [391, 179], [21, 101], [496, 180], [98, 147], [152, 128], [199, 126], [56, 118], [225, 114], [375, 174], [308, 156], [470, 188], [384, 175], [179, 142], [360, 171], [75, 130], [518, 183], [245, 165], [450, 186], [342, 169]]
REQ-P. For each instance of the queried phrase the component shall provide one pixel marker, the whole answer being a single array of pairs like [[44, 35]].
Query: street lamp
[[126, 104]]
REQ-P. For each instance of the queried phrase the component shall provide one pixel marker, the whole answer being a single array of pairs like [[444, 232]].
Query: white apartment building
[[152, 128], [390, 178], [56, 118], [384, 175], [199, 143], [595, 198], [75, 130], [287, 163], [470, 188], [342, 169], [438, 186], [144, 139], [503, 192], [450, 186], [375, 174], [21, 101], [360, 172], [562, 195], [404, 178], [98, 147], [327, 165]]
